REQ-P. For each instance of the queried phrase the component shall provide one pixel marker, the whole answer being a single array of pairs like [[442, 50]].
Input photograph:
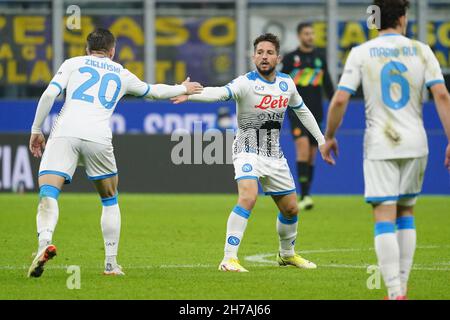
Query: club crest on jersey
[[283, 86], [234, 241], [247, 167], [272, 103]]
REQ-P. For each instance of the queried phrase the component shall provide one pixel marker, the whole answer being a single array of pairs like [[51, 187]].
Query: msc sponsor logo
[[234, 241], [271, 116], [283, 86], [247, 167]]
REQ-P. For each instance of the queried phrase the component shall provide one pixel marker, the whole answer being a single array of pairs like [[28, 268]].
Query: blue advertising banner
[[138, 116]]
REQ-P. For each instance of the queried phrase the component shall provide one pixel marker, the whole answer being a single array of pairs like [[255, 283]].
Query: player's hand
[[447, 157], [37, 144], [180, 99], [192, 87], [331, 145]]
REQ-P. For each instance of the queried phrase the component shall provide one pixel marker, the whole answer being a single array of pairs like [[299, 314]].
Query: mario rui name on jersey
[[393, 52]]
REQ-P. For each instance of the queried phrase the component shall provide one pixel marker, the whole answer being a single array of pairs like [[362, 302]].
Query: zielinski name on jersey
[[101, 65]]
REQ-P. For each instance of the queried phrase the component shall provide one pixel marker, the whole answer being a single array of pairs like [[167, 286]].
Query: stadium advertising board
[[145, 165], [200, 47], [350, 34], [151, 153], [197, 46]]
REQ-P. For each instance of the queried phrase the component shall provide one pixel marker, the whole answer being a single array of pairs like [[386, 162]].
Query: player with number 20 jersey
[[94, 85]]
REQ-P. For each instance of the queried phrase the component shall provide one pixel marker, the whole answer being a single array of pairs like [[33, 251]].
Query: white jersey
[[393, 70], [93, 86], [260, 108]]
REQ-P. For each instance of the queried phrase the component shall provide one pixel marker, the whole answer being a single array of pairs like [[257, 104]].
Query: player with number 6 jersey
[[394, 71], [94, 84]]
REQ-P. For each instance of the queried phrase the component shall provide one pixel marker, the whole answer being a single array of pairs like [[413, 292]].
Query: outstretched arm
[[442, 100], [37, 140], [164, 91], [209, 94], [141, 89]]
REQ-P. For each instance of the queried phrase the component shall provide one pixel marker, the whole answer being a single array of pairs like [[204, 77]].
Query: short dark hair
[[100, 40], [303, 25], [391, 11], [269, 37]]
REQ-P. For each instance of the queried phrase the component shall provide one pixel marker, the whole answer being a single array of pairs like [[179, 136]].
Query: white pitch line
[[63, 267], [263, 259], [260, 264], [259, 260]]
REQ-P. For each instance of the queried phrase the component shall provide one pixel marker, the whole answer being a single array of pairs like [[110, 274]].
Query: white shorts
[[397, 181], [62, 155], [273, 174]]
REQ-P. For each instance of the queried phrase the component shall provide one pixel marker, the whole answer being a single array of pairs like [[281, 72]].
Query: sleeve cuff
[[298, 107], [347, 89], [35, 130], [146, 92], [429, 84], [182, 87], [321, 141], [58, 86], [230, 93]]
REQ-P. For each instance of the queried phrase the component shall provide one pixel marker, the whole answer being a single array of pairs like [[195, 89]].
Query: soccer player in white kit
[[81, 135], [263, 97], [394, 71]]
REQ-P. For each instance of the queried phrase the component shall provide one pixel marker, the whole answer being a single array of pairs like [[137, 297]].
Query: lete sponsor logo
[[272, 103]]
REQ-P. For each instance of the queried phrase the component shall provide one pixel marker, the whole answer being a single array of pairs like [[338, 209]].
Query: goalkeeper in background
[[308, 68]]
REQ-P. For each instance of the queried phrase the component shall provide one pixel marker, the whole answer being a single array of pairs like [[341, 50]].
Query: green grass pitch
[[171, 246]]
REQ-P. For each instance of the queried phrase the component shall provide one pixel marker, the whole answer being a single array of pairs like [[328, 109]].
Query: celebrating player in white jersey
[[393, 70], [262, 97], [81, 134]]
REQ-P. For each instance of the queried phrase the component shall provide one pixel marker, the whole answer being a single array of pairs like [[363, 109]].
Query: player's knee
[[290, 211], [404, 211], [108, 193], [247, 201]]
